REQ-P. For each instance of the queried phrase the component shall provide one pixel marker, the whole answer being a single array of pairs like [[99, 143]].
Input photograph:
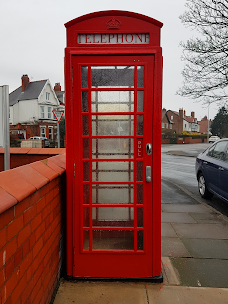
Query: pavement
[[194, 259]]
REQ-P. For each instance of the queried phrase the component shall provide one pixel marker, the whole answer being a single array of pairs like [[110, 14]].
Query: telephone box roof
[[113, 13]]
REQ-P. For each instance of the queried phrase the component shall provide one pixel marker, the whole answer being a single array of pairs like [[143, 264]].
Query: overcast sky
[[33, 38]]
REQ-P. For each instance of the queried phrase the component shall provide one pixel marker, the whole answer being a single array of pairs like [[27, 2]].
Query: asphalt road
[[180, 170]]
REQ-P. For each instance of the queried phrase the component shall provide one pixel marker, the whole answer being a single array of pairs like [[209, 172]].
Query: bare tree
[[206, 70]]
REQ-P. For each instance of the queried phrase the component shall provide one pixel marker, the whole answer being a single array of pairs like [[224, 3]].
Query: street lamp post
[[208, 123]]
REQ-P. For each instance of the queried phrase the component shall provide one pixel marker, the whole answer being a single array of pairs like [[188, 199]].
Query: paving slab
[[204, 231], [176, 217], [167, 230], [185, 208], [202, 272], [161, 294], [101, 293], [206, 248], [206, 218], [173, 247], [171, 194]]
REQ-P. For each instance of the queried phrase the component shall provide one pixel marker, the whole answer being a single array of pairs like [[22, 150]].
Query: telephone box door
[[113, 106]]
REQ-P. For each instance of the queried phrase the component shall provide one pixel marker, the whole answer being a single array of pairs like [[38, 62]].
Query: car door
[[223, 175], [212, 165]]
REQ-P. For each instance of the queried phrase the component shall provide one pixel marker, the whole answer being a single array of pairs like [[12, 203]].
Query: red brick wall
[[23, 156], [165, 141], [31, 202]]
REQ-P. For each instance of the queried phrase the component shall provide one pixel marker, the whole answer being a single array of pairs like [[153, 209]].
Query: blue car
[[212, 170]]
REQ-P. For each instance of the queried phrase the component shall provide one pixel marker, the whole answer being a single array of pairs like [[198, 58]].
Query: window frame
[[42, 112], [49, 113]]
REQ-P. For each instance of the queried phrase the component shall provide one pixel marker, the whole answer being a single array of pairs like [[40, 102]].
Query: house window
[[54, 109], [170, 126], [49, 112], [43, 131], [171, 117], [163, 125], [42, 112], [50, 133], [47, 96]]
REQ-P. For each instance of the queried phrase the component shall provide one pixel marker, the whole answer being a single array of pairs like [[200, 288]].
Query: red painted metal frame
[[73, 135]]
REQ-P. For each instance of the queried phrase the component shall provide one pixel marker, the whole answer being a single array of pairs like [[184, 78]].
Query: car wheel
[[203, 187]]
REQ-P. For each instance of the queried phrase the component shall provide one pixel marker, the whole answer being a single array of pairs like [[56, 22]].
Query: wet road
[[181, 171]]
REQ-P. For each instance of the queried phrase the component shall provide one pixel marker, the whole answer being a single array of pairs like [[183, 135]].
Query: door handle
[[148, 174], [148, 149]]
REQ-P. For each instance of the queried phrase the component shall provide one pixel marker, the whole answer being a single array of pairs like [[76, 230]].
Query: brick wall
[[24, 156], [32, 200]]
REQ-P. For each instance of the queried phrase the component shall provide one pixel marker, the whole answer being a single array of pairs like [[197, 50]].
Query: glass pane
[[86, 240], [86, 171], [113, 101], [85, 124], [140, 217], [85, 194], [113, 194], [140, 194], [85, 102], [219, 149], [112, 171], [139, 124], [112, 148], [86, 217], [139, 240], [140, 76], [84, 73], [113, 125], [112, 76], [139, 171], [113, 216], [113, 240], [140, 96], [85, 147]]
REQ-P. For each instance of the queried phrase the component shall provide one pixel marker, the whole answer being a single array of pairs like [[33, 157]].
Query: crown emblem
[[113, 24]]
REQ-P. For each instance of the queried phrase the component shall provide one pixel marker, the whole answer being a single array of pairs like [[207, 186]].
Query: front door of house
[[112, 196]]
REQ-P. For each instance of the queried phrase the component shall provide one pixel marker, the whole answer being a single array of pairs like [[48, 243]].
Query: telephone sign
[[113, 72]]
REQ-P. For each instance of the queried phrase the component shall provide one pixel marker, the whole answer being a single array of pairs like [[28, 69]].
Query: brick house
[[178, 122], [204, 125], [31, 108]]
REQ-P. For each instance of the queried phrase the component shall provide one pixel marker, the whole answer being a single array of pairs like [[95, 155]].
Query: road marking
[[178, 164]]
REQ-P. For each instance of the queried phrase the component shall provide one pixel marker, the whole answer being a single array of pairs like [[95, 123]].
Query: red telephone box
[[113, 73]]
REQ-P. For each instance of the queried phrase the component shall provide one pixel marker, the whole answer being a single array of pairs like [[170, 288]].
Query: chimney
[[193, 114], [181, 113], [57, 87], [184, 113], [25, 82]]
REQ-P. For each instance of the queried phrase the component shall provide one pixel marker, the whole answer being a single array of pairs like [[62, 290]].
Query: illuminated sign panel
[[114, 38]]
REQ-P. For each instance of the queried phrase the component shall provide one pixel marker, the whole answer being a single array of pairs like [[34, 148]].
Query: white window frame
[[42, 112], [49, 112], [47, 96], [50, 128], [41, 133]]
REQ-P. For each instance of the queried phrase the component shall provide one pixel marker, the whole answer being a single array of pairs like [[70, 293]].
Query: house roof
[[32, 91], [190, 119], [60, 97]]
